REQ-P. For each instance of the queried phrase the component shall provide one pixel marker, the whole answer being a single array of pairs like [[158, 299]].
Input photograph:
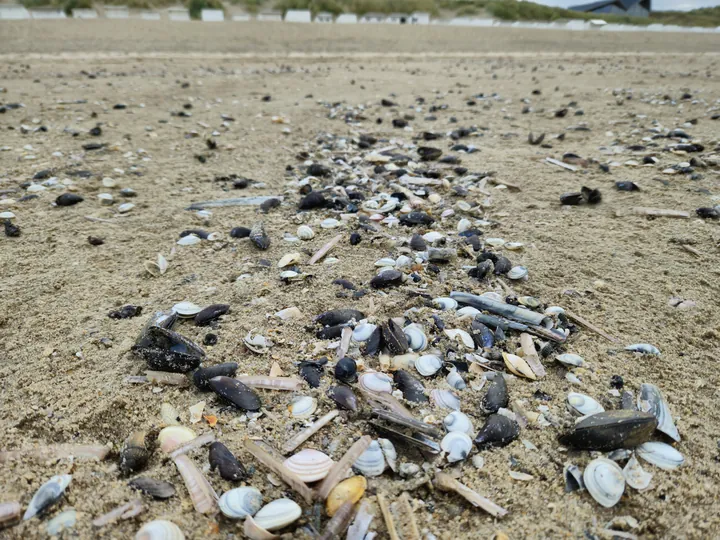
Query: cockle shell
[[585, 405], [445, 399], [240, 502], [351, 490], [277, 514], [417, 340], [457, 445], [445, 303], [48, 494], [456, 334], [651, 400], [570, 359], [457, 421], [604, 480], [305, 233], [517, 273], [518, 366], [160, 529], [376, 382], [310, 465], [635, 476], [371, 462], [302, 406], [186, 309], [428, 365], [661, 455]]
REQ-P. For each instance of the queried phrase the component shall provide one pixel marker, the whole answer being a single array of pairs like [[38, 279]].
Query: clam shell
[[388, 450], [371, 462], [457, 421], [351, 489], [495, 242], [186, 309], [518, 366], [277, 514], [456, 334], [376, 382], [417, 340], [445, 399], [305, 233], [10, 513], [363, 331], [240, 502], [644, 348], [445, 303], [661, 455], [651, 400], [302, 406], [48, 494], [457, 445], [173, 436], [455, 380], [310, 465], [585, 405], [570, 359], [189, 240], [468, 311], [604, 480], [329, 223], [517, 272], [160, 529], [64, 520], [385, 262], [428, 365], [635, 476], [289, 259]]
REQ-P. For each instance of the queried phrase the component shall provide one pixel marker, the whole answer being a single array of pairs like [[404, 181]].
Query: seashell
[[48, 494], [258, 236], [417, 340], [387, 278], [467, 311], [125, 207], [529, 301], [210, 314], [554, 310], [106, 199], [305, 233], [513, 246], [585, 405], [376, 382], [160, 529], [517, 273], [240, 502], [661, 455], [351, 490], [518, 366], [189, 240], [492, 295], [463, 225], [339, 316], [403, 261], [635, 476], [417, 243], [344, 397], [277, 514], [457, 421], [483, 337], [573, 478], [289, 259], [385, 261], [497, 396], [346, 370], [155, 488], [329, 223], [7, 215], [68, 199], [312, 371], [302, 406], [186, 309], [309, 465], [428, 365], [495, 242], [10, 513], [202, 376], [222, 459], [604, 480], [457, 334], [498, 430], [169, 415], [363, 331], [611, 430], [457, 445], [257, 343], [394, 337], [371, 462], [254, 532], [445, 304], [63, 521], [173, 436], [412, 389], [134, 455], [374, 342], [445, 399], [240, 395], [570, 359], [644, 348], [651, 400], [388, 450], [432, 237], [157, 268], [455, 380]]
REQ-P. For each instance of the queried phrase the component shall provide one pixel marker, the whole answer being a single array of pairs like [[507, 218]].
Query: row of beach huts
[[20, 12]]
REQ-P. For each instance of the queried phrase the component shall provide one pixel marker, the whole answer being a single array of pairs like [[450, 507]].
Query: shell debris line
[[353, 298]]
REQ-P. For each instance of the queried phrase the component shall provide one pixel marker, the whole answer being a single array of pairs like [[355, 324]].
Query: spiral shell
[[428, 365], [457, 421], [445, 399], [160, 529], [371, 462], [240, 502], [310, 465], [376, 382], [604, 480], [457, 445], [277, 514], [302, 406], [417, 340], [48, 494], [585, 405]]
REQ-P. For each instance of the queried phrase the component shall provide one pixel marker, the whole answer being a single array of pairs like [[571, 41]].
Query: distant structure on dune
[[634, 8]]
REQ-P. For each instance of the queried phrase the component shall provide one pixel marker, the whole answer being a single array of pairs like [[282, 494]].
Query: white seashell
[[35, 188], [457, 421], [517, 272], [468, 311], [604, 480], [363, 331], [169, 415], [554, 310], [445, 399], [661, 455], [290, 258], [289, 313], [492, 295], [310, 465], [456, 334], [186, 309], [570, 359], [376, 382], [7, 215], [106, 199], [257, 342], [635, 476], [455, 380], [240, 502], [583, 404], [109, 182], [650, 399], [403, 261], [305, 233], [62, 521], [518, 366], [302, 406], [445, 303], [428, 365], [371, 462], [463, 225], [416, 337], [189, 240], [433, 236], [47, 495], [385, 261], [196, 412], [495, 242], [329, 223], [160, 529], [203, 215], [125, 207], [644, 348], [277, 514], [514, 246], [457, 445], [388, 450]]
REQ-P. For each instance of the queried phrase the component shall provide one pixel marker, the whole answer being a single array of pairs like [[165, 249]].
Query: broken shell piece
[[351, 489], [388, 450], [48, 494], [189, 240], [240, 502], [172, 437], [363, 331], [661, 455], [277, 514], [255, 532], [570, 359], [371, 462], [196, 412], [290, 259], [445, 399], [64, 520], [157, 268], [457, 421], [457, 445], [604, 480], [518, 366], [585, 405], [462, 336], [257, 343], [310, 465], [302, 406], [169, 415], [573, 478], [160, 529], [635, 476]]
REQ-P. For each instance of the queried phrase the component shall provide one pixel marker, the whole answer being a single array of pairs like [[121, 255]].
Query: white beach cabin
[[117, 12], [13, 12], [149, 15], [178, 14], [212, 15], [47, 13], [84, 14], [372, 18], [324, 17], [346, 18], [298, 16], [241, 17], [274, 16], [420, 17]]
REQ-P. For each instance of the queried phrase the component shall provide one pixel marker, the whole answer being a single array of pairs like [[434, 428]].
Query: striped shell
[[428, 365], [604, 480], [160, 529], [240, 502], [517, 273], [661, 455], [371, 462], [376, 382], [457, 445], [310, 465], [305, 233], [457, 421], [48, 494], [445, 399], [417, 340], [302, 406], [277, 514]]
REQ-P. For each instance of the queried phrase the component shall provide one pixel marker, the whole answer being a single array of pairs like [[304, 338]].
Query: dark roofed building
[[634, 8]]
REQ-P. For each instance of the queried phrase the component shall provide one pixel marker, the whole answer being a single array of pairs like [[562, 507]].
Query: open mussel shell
[[240, 502], [160, 529], [457, 421], [604, 480], [371, 462], [498, 430], [309, 465], [651, 400], [240, 395], [165, 350], [346, 370], [635, 476], [157, 489], [457, 445], [394, 337], [376, 382], [211, 313], [344, 397], [388, 450], [339, 316], [277, 514], [611, 430], [134, 454], [497, 396], [481, 334], [412, 389], [584, 405], [202, 376], [48, 494], [661, 455], [302, 406], [222, 459]]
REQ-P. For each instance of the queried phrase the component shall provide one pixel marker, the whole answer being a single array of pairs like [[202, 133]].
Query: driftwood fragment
[[387, 516], [567, 166]]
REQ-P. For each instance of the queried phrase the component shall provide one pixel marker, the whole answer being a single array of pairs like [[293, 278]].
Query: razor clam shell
[[10, 513], [635, 476], [48, 494], [428, 364], [371, 462], [419, 440], [310, 465], [376, 382], [160, 529], [584, 405], [458, 421], [604, 480], [651, 400], [457, 445], [277, 514], [240, 502], [661, 455], [409, 422]]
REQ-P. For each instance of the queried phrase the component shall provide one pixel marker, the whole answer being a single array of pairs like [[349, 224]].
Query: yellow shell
[[518, 366], [351, 489]]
